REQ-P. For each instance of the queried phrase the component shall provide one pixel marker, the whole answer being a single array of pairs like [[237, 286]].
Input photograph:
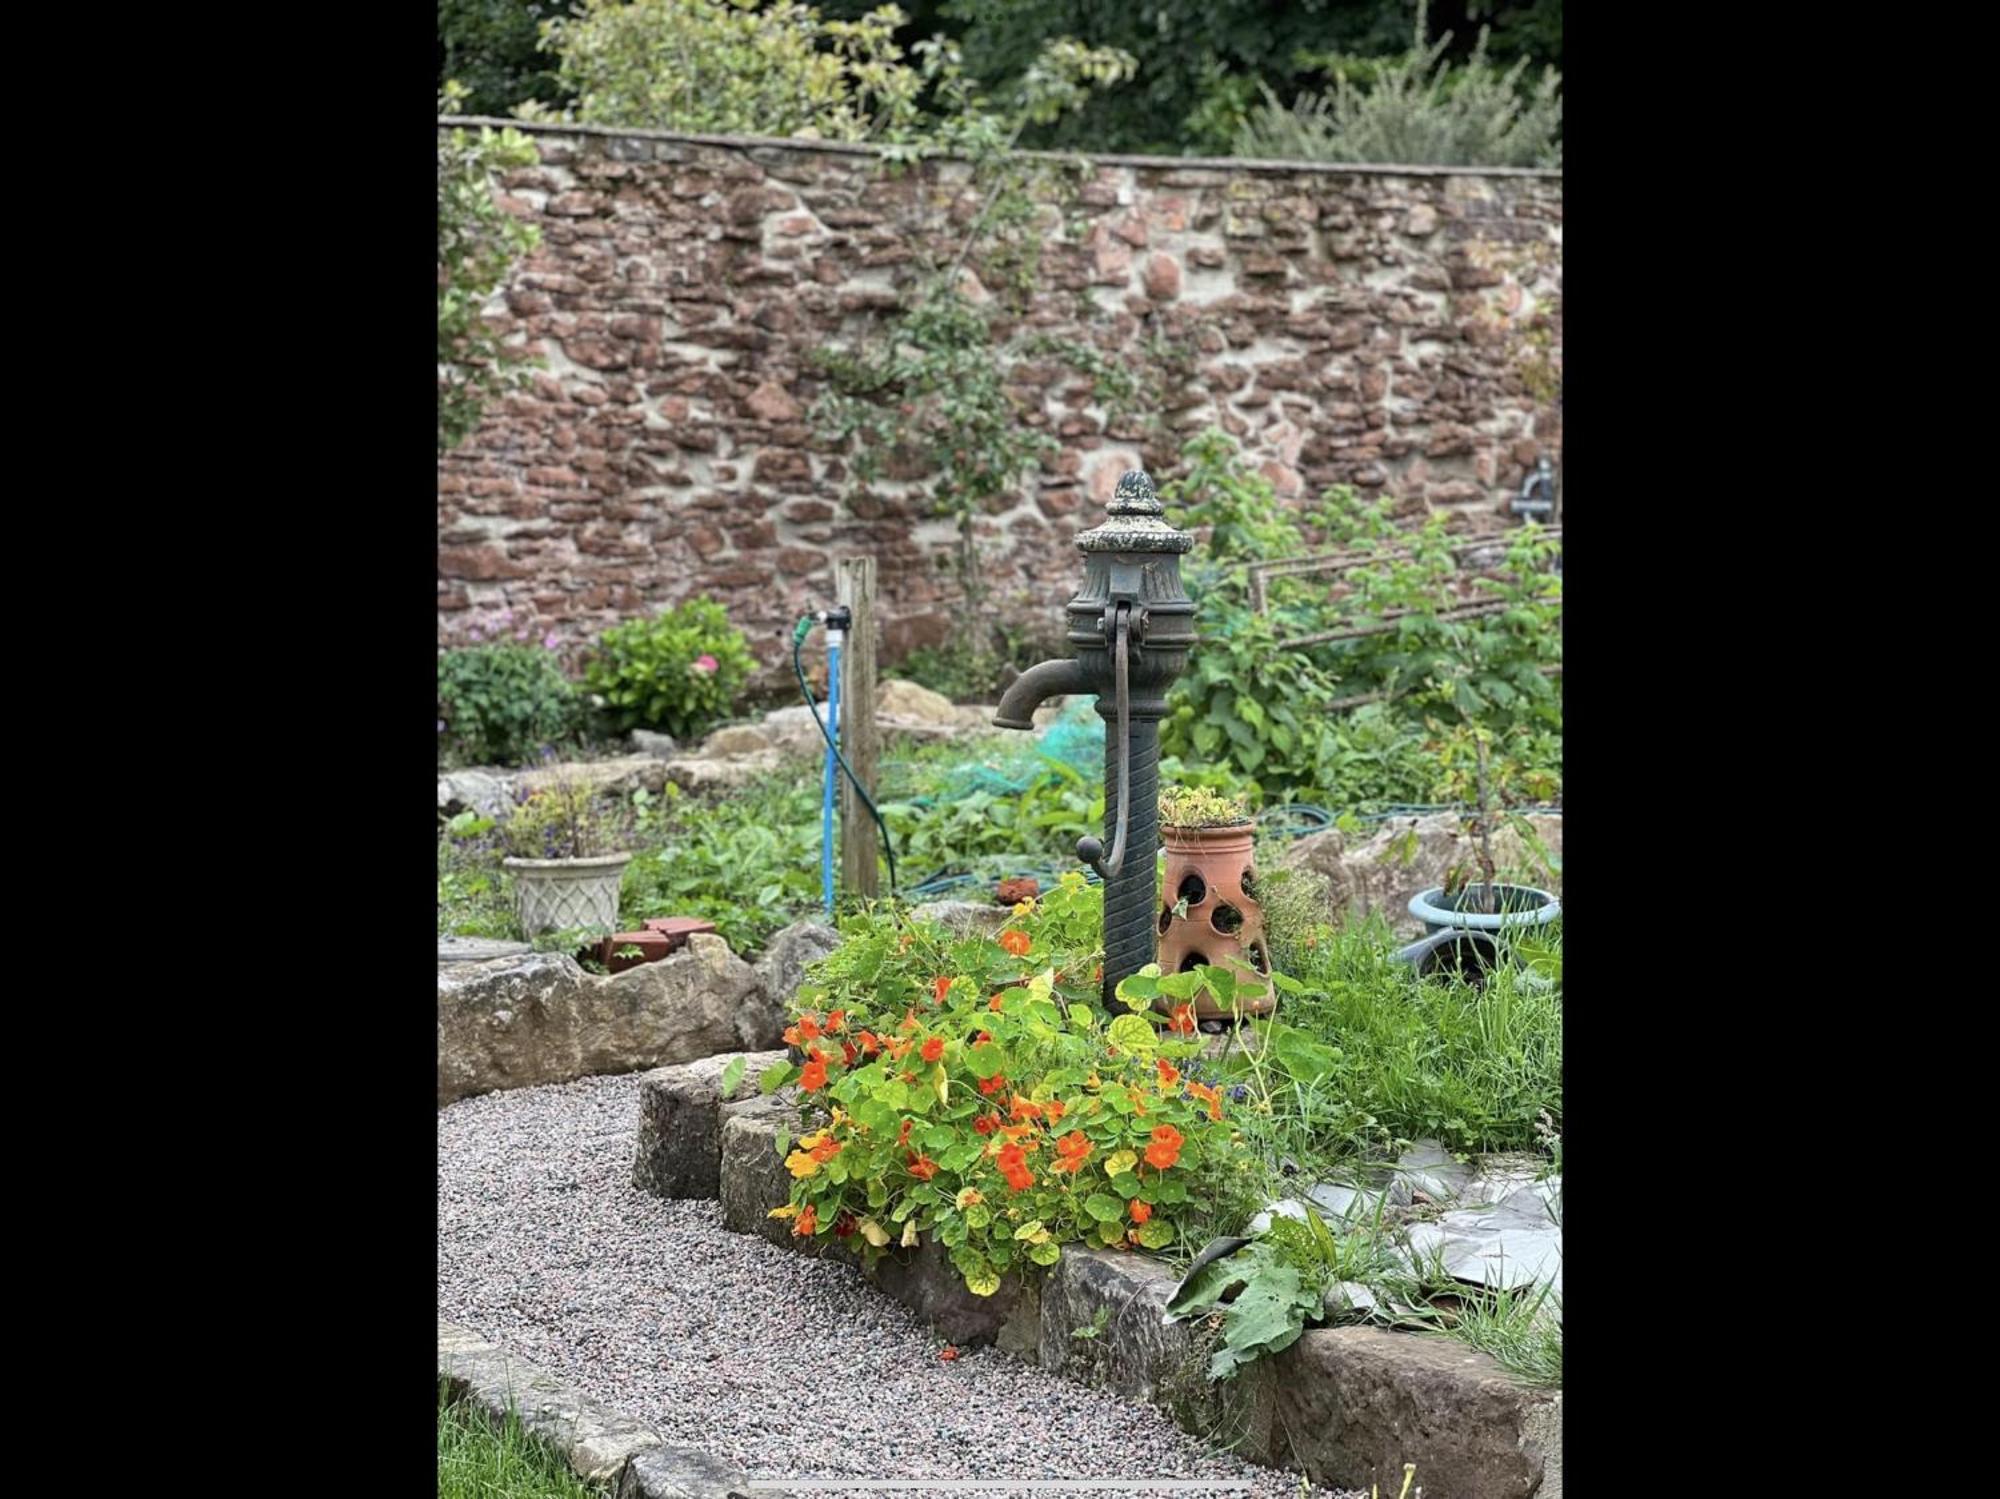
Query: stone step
[[681, 1109]]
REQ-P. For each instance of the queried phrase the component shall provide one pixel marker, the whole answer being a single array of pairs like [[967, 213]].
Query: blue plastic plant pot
[[1520, 906]]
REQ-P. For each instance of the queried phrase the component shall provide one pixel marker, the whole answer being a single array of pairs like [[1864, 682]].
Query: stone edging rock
[[601, 1446]]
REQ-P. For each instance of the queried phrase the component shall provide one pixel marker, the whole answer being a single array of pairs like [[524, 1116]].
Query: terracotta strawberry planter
[[1213, 871]]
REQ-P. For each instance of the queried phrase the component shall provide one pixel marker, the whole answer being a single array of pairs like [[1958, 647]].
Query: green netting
[[1076, 740]]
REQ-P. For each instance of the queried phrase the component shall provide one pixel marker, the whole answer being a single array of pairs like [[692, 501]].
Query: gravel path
[[787, 1366]]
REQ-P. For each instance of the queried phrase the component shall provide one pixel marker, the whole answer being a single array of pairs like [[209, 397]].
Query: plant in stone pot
[[567, 849], [1209, 914]]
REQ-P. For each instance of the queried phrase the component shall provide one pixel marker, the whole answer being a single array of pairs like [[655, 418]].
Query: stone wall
[[1396, 330]]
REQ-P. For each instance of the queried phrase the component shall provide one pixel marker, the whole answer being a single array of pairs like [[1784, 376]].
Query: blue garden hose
[[836, 622], [833, 638]]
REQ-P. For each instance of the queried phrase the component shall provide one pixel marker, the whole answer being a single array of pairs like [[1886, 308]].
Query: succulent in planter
[[1199, 807], [567, 849]]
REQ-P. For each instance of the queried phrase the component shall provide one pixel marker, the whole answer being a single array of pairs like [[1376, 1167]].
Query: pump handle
[[1091, 850]]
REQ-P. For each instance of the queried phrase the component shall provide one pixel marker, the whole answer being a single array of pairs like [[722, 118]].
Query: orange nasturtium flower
[[933, 1049], [1182, 1022], [1166, 1147], [814, 1076], [1074, 1150], [993, 1084], [1169, 1074], [1014, 1167], [985, 1124], [792, 1036], [1141, 1210], [1210, 1096], [1026, 1108], [809, 1026], [1016, 942], [1057, 1108], [967, 1197], [994, 1004], [939, 986], [807, 1222], [836, 1020], [922, 1167]]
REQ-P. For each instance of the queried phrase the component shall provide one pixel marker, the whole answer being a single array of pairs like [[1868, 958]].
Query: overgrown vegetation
[[1436, 674], [478, 245], [1418, 109], [479, 1460]]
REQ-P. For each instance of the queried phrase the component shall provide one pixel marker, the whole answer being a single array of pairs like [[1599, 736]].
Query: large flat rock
[[534, 1018], [1351, 1405]]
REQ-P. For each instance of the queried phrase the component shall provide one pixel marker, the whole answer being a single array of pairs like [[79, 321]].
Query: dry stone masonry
[[1396, 330]]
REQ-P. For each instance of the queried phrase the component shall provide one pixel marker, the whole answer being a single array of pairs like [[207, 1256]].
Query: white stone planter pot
[[553, 894]]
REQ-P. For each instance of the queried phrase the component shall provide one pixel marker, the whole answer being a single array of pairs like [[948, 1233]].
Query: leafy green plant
[[500, 704], [478, 245], [678, 671], [1415, 110], [975, 1089]]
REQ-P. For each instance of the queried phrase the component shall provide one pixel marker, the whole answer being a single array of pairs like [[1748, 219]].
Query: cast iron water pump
[[1131, 627]]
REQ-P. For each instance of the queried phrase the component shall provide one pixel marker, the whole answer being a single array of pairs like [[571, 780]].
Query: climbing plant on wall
[[479, 244]]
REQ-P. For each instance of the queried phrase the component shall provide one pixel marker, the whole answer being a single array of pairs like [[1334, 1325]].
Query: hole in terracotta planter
[[1193, 961], [1166, 919], [1227, 920], [1193, 890], [1257, 959]]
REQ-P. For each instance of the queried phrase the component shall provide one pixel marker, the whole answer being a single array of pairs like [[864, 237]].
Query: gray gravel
[[786, 1366]]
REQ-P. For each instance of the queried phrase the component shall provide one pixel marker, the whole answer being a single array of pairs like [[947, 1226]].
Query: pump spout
[[1035, 686]]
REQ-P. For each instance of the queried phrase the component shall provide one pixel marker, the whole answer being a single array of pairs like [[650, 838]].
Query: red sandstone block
[[652, 947]]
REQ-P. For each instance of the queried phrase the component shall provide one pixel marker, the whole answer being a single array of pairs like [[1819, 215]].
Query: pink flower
[[550, 641], [707, 664]]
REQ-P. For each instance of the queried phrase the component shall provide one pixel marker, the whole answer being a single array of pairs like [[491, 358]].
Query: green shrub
[[499, 704], [679, 671], [1414, 110]]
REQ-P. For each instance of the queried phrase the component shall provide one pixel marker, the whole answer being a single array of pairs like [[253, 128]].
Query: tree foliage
[[734, 67], [1415, 109], [492, 48]]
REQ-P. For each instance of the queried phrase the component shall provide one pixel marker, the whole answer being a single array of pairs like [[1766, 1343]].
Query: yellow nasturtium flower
[[787, 1211], [801, 1165], [967, 1196]]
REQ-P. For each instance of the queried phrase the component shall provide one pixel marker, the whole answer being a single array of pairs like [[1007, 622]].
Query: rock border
[[600, 1446], [1344, 1405]]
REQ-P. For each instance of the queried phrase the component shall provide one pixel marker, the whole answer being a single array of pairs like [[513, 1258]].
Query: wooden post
[[854, 586]]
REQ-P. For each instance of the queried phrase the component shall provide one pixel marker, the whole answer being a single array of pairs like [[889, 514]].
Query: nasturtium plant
[[975, 1091]]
